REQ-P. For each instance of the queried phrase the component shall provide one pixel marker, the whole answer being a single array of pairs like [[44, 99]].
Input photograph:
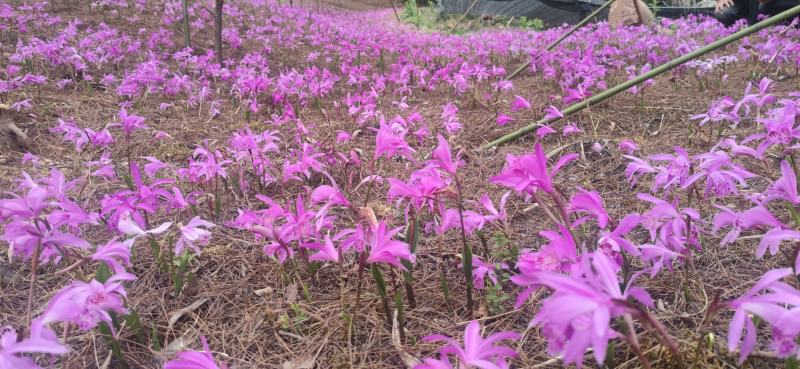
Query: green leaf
[[306, 292], [116, 350], [156, 249], [412, 238], [180, 277], [132, 320], [610, 351], [445, 286], [103, 273], [381, 284], [398, 304], [155, 342]]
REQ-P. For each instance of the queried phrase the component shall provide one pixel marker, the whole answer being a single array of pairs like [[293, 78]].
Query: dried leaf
[[308, 360], [266, 292], [368, 215], [291, 292], [177, 345], [307, 363], [106, 362], [409, 360], [178, 314]]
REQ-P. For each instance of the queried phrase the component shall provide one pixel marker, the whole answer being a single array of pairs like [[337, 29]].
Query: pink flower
[[326, 251], [153, 166], [330, 196], [592, 203], [44, 341], [627, 146], [528, 173], [99, 139], [519, 103], [115, 254], [757, 217], [86, 304], [477, 351], [388, 143], [162, 135], [552, 113], [29, 206], [129, 227], [481, 270], [343, 137], [495, 214], [544, 131], [785, 187], [195, 359], [559, 254], [767, 299], [443, 158], [383, 249], [33, 159], [451, 219], [129, 123], [503, 119], [578, 314], [571, 129], [450, 118], [612, 243], [430, 363], [193, 232]]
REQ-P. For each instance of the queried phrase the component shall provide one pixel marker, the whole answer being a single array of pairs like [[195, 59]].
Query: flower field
[[314, 189]]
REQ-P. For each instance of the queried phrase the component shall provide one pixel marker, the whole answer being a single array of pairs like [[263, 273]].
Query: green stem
[[32, 285], [466, 253], [408, 279], [594, 100], [381, 284], [398, 303]]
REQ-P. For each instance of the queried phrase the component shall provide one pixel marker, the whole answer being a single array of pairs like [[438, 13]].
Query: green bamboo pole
[[652, 73], [563, 37], [453, 28]]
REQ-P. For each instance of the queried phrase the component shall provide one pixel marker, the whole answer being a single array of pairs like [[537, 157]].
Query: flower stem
[[362, 259], [544, 207], [71, 267], [633, 341], [665, 337], [374, 172], [32, 285], [412, 237], [466, 253]]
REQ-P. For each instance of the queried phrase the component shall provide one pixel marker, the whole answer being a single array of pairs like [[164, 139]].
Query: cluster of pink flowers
[[322, 190]]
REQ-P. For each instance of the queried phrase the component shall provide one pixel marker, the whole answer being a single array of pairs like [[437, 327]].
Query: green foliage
[[398, 303], [155, 342], [103, 273], [496, 298], [133, 321], [410, 10], [535, 24], [293, 321], [181, 274], [610, 353], [412, 232], [381, 284], [502, 248], [445, 286], [113, 344]]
